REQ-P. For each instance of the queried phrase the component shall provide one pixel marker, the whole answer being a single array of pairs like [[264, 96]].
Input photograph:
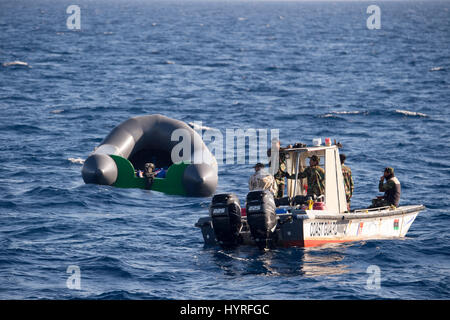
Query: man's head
[[258, 166], [342, 157], [314, 161], [388, 171], [149, 167]]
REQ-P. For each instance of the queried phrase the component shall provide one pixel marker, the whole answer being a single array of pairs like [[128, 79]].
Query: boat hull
[[312, 228]]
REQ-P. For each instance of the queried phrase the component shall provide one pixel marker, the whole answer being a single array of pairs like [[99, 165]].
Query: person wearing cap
[[262, 180], [348, 180], [315, 176], [391, 189]]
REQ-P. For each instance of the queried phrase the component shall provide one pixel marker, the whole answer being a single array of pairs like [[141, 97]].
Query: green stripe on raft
[[171, 184]]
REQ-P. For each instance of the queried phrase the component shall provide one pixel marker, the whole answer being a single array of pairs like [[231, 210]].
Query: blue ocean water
[[309, 69]]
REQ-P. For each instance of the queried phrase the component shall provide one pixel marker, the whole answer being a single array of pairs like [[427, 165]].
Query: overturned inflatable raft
[[144, 139]]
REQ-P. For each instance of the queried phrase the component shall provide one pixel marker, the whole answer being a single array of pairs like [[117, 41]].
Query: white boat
[[296, 222]]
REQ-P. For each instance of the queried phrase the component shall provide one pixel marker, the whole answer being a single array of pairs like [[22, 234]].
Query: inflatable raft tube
[[144, 139]]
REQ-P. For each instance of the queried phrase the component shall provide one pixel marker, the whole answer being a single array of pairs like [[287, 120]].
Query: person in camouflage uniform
[[280, 174], [348, 180], [315, 176]]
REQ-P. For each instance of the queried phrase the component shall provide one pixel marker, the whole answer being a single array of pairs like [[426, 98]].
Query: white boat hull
[[313, 227]]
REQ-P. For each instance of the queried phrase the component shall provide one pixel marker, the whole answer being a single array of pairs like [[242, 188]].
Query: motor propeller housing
[[225, 212], [262, 218]]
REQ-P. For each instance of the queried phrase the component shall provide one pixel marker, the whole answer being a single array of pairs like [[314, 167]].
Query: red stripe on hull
[[310, 243]]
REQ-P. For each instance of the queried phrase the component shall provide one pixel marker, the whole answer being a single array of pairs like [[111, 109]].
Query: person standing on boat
[[348, 180], [280, 174], [391, 189], [262, 180], [315, 176], [149, 173]]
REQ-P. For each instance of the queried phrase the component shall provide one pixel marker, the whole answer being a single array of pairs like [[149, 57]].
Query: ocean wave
[[107, 265], [76, 160], [7, 204], [336, 114], [23, 129], [198, 127], [411, 113], [123, 295], [16, 64], [350, 112]]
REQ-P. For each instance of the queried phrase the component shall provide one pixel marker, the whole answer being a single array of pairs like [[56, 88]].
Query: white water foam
[[16, 63], [76, 160], [411, 113], [336, 113]]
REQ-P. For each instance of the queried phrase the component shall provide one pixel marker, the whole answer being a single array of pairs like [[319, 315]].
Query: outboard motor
[[299, 200], [261, 217], [285, 201], [225, 212]]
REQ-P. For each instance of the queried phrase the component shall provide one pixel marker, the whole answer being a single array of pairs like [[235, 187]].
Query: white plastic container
[[317, 142]]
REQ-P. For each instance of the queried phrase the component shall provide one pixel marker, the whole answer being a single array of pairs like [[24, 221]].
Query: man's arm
[[300, 175], [352, 185], [383, 187]]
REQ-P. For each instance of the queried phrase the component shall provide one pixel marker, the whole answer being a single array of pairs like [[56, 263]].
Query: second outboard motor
[[225, 212], [261, 217], [299, 200], [285, 201]]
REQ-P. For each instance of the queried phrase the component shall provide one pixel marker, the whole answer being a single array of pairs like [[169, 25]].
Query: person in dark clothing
[[391, 189], [149, 174]]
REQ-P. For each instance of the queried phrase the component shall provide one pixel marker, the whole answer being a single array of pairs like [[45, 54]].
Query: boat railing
[[366, 210]]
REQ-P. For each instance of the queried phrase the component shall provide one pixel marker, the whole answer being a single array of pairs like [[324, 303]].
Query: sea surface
[[308, 69]]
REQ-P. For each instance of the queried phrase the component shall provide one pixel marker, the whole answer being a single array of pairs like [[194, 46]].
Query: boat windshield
[[296, 161]]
